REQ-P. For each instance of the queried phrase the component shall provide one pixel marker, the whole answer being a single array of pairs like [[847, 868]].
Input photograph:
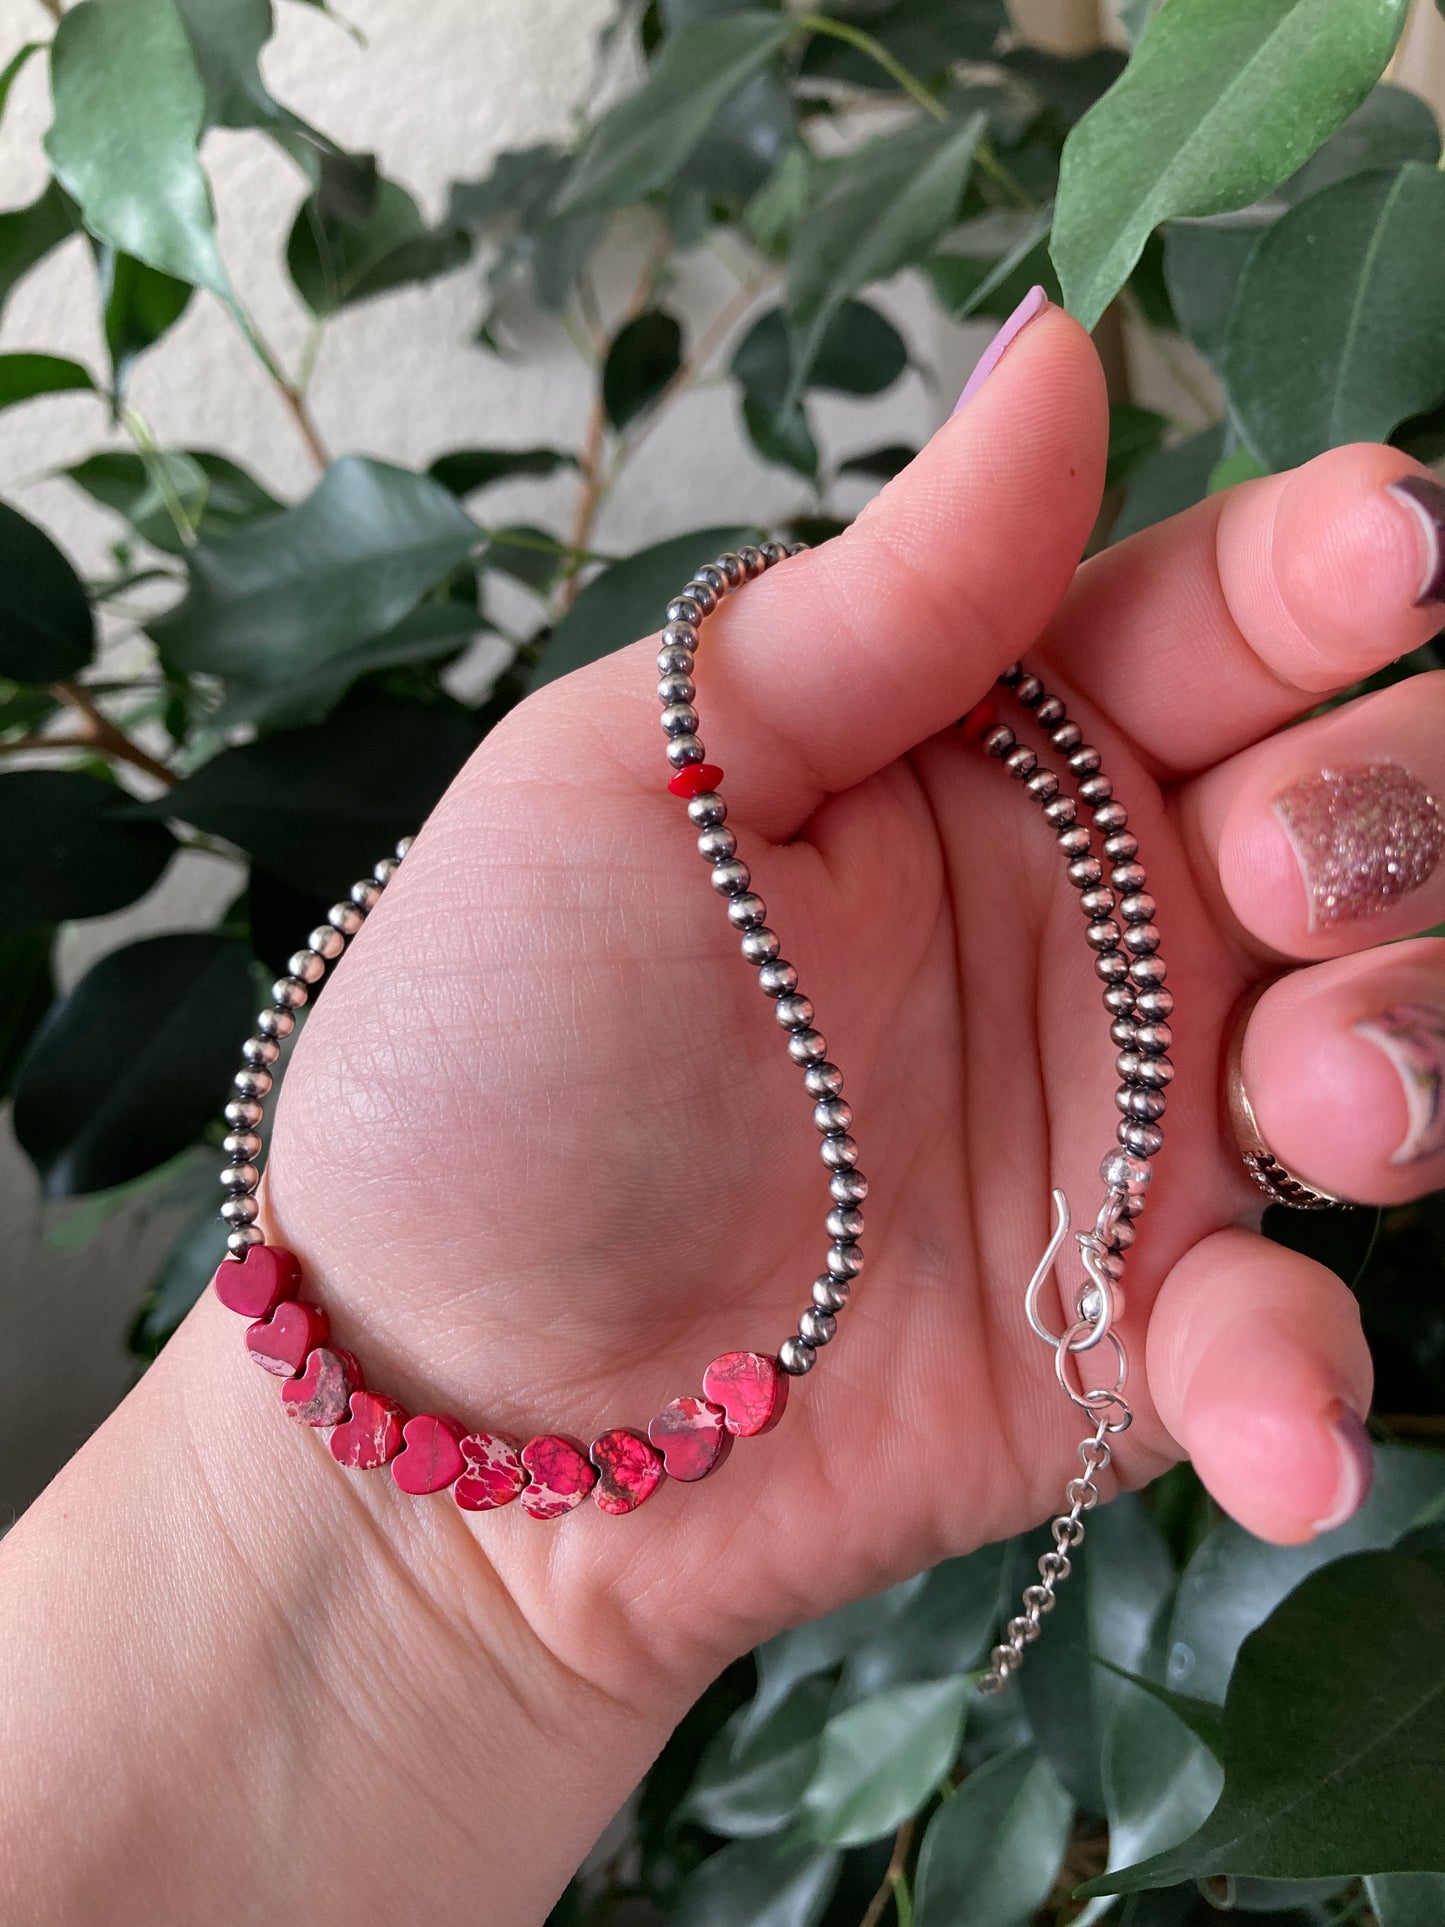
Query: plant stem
[[712, 337], [291, 395], [158, 475], [54, 9], [989, 163], [97, 732], [895, 1883], [879, 54]]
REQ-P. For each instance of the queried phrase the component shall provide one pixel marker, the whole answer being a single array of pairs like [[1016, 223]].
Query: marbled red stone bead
[[493, 1474], [371, 1435], [254, 1285], [560, 1476], [283, 1342], [694, 778], [692, 1437], [751, 1389], [629, 1470], [322, 1393], [431, 1454]]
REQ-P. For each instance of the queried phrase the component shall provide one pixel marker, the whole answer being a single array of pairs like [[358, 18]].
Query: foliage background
[[849, 1766]]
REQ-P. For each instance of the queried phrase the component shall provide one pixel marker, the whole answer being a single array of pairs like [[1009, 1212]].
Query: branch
[[895, 1882], [54, 9], [879, 54], [98, 733]]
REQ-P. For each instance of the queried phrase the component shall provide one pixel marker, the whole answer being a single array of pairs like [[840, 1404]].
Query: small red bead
[[283, 1342], [431, 1454], [561, 1476], [979, 721], [494, 1474], [371, 1435], [692, 1437], [322, 1393], [629, 1470], [693, 778], [750, 1388], [255, 1284]]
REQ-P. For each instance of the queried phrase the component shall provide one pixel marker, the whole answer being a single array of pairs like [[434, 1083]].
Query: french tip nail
[[1425, 499], [1033, 303], [1357, 1468]]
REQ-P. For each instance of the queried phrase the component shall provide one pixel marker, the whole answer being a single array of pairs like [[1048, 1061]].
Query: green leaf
[[645, 139], [316, 805], [645, 355], [1160, 1780], [1135, 436], [130, 1067], [1407, 1899], [292, 591], [884, 209], [23, 376], [925, 36], [533, 557], [993, 1849], [1335, 331], [13, 66], [979, 279], [881, 1758], [1169, 482], [184, 1274], [1222, 100], [72, 847], [1237, 466], [463, 471], [340, 251], [226, 39], [628, 599], [785, 438], [879, 464], [753, 1775], [743, 143], [940, 1629], [782, 1882], [821, 1644], [213, 492], [1068, 84], [860, 353], [1203, 261], [1332, 1756], [27, 235], [46, 628], [139, 304], [29, 991], [134, 173]]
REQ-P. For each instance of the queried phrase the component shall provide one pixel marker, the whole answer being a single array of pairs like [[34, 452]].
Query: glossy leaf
[[860, 353], [879, 464], [23, 376], [884, 209], [645, 139], [1135, 436], [72, 846], [782, 1882], [926, 36], [743, 142], [1160, 1780], [785, 438], [212, 492], [315, 806], [27, 235], [226, 39], [1335, 333], [13, 66], [1407, 1899], [645, 355], [465, 470], [134, 174], [1331, 1734], [1067, 84], [1203, 261], [993, 280], [130, 1067], [29, 990], [529, 555], [289, 592], [46, 628], [879, 1760], [942, 1627], [1222, 101], [628, 599], [138, 305], [754, 1774], [344, 248], [993, 1849], [184, 1274], [1391, 125]]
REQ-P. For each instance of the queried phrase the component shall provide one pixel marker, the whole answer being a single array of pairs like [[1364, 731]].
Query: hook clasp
[[1098, 1302]]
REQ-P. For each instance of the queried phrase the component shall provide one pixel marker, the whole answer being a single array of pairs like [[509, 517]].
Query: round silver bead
[[385, 869], [717, 845], [703, 594], [252, 1083], [773, 553], [1119, 998], [816, 1326], [778, 978], [240, 1211], [794, 1012], [679, 635], [261, 1050], [1128, 878], [683, 750], [242, 1113], [832, 1114], [240, 1177], [1155, 1003], [1155, 1039], [1098, 902], [366, 894], [1141, 939], [1042, 785], [1062, 812], [1095, 790], [797, 1357], [848, 1187], [1124, 1032], [1050, 712], [242, 1238], [326, 942], [753, 560], [1121, 847], [1074, 841], [747, 912], [1013, 675], [713, 578], [845, 1259], [761, 945], [275, 1023], [731, 878], [831, 1294], [1084, 872], [1111, 816], [1084, 761], [844, 1224], [306, 965], [1148, 972], [1155, 1071], [1103, 935], [346, 918], [1111, 966], [807, 1047], [707, 809], [1021, 762], [1144, 1140], [838, 1150], [1067, 736], [823, 1080], [1138, 907], [1029, 691], [999, 740], [676, 689], [672, 661], [241, 1145], [679, 719], [1122, 1235], [1134, 1102], [403, 848], [289, 992], [685, 608], [733, 569], [1121, 1172]]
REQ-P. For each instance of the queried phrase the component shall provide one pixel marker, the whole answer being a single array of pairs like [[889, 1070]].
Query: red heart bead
[[494, 1474], [256, 1283], [321, 1394], [692, 1436], [283, 1342], [628, 1470], [371, 1435], [560, 1476], [751, 1388], [431, 1456]]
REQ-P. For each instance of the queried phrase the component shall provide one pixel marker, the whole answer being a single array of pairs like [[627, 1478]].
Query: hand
[[544, 1155]]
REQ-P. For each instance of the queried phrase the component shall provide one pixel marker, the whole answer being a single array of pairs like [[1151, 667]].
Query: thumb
[[846, 657]]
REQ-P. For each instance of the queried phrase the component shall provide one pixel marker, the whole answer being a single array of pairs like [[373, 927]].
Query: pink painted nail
[[1425, 499], [1357, 1468], [1412, 1036], [1364, 836], [1034, 302]]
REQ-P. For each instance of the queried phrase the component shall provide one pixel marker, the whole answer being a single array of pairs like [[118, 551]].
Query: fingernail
[[1357, 1468], [1425, 499], [1363, 837], [1412, 1036], [1034, 302]]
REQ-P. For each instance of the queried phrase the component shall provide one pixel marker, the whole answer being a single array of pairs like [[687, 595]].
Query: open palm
[[545, 1155]]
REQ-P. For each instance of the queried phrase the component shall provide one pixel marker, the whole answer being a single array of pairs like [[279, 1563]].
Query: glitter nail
[[1363, 836]]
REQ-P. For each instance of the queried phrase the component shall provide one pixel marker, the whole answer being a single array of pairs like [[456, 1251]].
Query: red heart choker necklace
[[743, 1393]]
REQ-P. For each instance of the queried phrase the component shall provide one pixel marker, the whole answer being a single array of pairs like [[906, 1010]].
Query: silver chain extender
[[1132, 973]]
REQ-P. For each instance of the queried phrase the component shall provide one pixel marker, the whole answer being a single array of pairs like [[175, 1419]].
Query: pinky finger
[[1259, 1368]]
